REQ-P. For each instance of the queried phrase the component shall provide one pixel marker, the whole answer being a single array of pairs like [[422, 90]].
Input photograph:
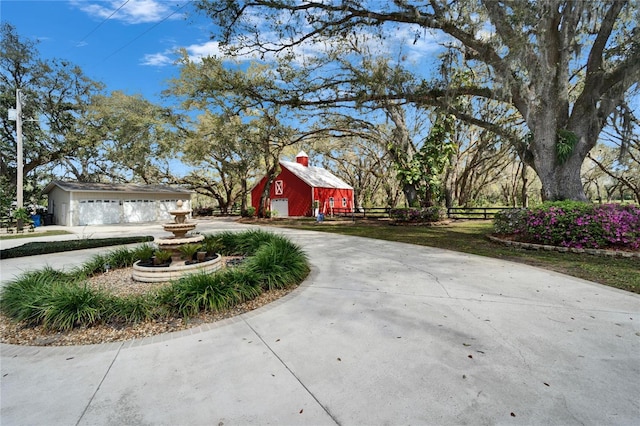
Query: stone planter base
[[174, 271]]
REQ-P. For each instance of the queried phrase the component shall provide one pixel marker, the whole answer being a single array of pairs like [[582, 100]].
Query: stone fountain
[[178, 268], [179, 228]]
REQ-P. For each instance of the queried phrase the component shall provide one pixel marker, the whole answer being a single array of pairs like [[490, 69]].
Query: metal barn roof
[[315, 176]]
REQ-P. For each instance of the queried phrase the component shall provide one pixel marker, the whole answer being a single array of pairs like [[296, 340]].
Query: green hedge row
[[40, 247]]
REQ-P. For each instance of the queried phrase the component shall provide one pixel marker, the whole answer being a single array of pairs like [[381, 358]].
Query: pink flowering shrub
[[574, 224]]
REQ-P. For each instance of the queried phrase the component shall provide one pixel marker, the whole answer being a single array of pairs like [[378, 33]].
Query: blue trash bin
[[36, 220]]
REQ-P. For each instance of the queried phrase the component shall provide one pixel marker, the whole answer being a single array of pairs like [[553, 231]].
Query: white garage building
[[76, 203]]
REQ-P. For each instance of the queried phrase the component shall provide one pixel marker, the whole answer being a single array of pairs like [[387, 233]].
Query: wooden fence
[[475, 212], [383, 212], [452, 212]]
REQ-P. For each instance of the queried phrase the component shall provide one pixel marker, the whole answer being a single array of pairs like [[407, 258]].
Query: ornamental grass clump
[[279, 264], [210, 292], [56, 300], [574, 224], [132, 309], [72, 305], [24, 299], [122, 257], [243, 243]]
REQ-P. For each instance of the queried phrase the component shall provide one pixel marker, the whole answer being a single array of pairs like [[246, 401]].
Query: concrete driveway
[[380, 333]]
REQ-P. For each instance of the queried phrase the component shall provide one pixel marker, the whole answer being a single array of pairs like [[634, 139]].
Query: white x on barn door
[[279, 187]]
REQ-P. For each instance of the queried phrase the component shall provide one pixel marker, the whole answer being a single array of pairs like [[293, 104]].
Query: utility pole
[[19, 166]]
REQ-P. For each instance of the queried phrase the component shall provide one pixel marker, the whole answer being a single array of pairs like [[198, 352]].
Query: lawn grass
[[471, 237], [27, 234]]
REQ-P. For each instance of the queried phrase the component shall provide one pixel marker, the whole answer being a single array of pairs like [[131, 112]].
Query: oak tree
[[563, 65]]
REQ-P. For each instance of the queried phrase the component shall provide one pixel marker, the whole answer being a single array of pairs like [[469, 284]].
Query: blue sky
[[128, 45]]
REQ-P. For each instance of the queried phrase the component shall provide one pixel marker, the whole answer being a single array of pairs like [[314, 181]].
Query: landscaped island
[[60, 302]]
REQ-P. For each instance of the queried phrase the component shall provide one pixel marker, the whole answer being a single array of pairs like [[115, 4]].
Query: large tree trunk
[[525, 186], [410, 194], [560, 180], [450, 179], [243, 195], [264, 197]]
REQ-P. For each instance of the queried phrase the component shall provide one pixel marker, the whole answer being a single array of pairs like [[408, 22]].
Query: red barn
[[303, 190]]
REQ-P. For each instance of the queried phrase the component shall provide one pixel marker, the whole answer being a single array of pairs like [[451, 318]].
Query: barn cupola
[[302, 158]]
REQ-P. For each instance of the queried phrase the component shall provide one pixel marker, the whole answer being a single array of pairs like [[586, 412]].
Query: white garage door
[[98, 212], [280, 206], [136, 211], [165, 207]]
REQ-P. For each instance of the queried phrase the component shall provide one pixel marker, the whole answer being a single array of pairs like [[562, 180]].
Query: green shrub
[[97, 264], [510, 221], [122, 257], [418, 215], [228, 242], [144, 252], [248, 212], [163, 255], [189, 250]]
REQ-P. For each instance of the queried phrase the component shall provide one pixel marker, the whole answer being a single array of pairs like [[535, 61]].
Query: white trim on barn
[[74, 203]]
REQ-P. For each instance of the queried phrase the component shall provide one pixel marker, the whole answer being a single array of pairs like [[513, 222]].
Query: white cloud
[[195, 51], [198, 51], [157, 59], [133, 12]]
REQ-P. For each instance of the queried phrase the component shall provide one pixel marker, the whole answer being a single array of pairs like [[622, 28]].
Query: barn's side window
[[279, 187], [344, 202], [331, 202]]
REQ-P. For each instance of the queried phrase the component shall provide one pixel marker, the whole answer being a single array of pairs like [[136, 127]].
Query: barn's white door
[[280, 206], [98, 212]]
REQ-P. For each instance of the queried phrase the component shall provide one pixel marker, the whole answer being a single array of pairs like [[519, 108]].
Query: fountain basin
[[179, 229], [180, 216], [171, 243], [156, 274]]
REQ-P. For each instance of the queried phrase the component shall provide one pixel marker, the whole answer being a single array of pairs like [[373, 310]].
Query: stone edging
[[595, 252]]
